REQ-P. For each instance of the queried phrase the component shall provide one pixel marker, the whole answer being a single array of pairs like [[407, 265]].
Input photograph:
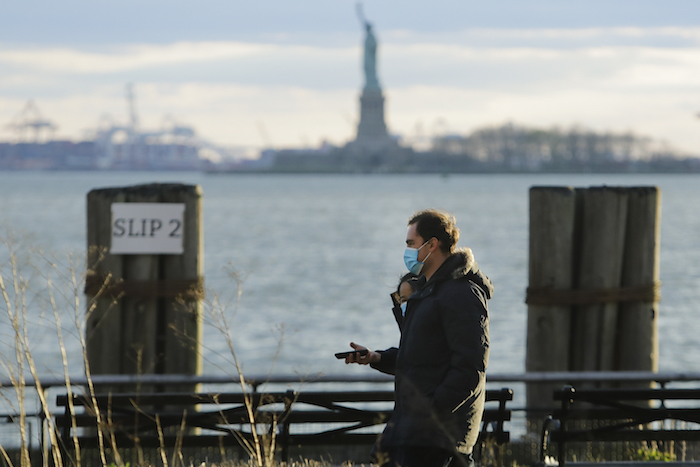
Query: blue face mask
[[403, 308], [410, 258]]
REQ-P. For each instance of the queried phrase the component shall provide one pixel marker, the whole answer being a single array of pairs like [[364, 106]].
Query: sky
[[275, 73]]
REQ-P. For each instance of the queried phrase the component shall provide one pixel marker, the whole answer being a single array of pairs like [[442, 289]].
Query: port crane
[[30, 122]]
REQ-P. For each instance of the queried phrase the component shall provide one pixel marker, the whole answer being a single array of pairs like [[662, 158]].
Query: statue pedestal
[[373, 149], [372, 125]]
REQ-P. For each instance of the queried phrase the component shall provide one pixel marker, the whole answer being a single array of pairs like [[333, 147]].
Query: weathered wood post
[[602, 230], [552, 220], [183, 316], [594, 288], [144, 280], [638, 344], [103, 328]]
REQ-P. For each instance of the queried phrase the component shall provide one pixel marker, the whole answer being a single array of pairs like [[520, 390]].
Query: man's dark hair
[[439, 224]]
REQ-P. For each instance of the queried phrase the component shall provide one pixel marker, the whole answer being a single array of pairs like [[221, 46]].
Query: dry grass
[[34, 286]]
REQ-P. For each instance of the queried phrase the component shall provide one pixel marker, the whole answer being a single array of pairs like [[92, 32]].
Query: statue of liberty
[[370, 55], [372, 136]]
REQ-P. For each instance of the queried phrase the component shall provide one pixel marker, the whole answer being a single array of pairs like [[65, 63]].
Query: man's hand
[[371, 357]]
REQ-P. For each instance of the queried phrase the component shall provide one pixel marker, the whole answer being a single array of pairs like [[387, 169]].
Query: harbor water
[[315, 258]]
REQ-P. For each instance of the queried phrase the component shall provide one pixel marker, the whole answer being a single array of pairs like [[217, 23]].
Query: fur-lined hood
[[463, 264]]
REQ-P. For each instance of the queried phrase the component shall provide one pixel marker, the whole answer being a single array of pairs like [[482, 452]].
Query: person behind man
[[404, 289], [440, 364]]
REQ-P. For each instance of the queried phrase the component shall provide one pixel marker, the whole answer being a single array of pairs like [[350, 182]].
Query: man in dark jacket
[[441, 360]]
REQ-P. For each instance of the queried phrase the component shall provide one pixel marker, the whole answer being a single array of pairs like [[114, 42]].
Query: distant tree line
[[506, 148], [516, 148]]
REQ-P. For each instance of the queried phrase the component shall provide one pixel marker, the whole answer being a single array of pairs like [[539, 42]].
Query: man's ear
[[434, 245]]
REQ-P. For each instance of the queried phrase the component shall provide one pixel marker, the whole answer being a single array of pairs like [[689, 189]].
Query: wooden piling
[[140, 311], [604, 216], [605, 295], [552, 220], [638, 345], [103, 327], [184, 314], [145, 308]]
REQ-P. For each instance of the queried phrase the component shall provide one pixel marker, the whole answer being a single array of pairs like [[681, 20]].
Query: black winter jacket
[[440, 365]]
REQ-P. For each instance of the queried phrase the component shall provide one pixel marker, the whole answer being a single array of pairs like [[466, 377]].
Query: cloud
[[157, 21], [616, 78], [76, 61], [554, 37]]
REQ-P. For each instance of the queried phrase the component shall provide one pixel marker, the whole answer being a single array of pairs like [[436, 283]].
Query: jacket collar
[[460, 265]]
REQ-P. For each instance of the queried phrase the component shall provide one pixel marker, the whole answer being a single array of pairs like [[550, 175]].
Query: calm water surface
[[319, 255]]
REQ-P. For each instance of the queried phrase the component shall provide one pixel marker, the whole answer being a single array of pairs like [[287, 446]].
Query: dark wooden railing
[[224, 419]]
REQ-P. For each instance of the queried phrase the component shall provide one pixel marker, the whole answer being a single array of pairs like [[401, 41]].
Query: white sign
[[147, 228]]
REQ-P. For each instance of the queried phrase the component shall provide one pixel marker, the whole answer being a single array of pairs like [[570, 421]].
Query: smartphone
[[345, 354]]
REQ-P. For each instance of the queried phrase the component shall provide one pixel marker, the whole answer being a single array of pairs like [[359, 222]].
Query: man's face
[[413, 240]]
